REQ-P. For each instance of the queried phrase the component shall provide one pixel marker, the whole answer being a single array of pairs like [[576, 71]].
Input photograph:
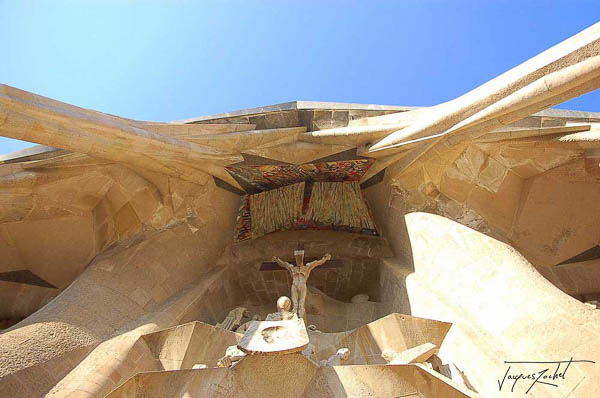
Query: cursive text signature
[[550, 374]]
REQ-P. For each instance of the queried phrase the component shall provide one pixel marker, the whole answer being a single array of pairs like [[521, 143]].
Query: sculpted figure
[[244, 327], [284, 304], [343, 354], [300, 274], [234, 319], [389, 356], [232, 354], [224, 362]]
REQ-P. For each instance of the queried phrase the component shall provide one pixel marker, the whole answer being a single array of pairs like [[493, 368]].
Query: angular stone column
[[501, 308], [145, 283]]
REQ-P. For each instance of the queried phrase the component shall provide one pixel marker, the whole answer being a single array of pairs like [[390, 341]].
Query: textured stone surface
[[274, 337], [294, 376], [124, 222], [487, 301], [420, 353]]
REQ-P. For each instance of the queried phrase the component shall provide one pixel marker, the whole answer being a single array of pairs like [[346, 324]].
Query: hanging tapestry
[[311, 205]]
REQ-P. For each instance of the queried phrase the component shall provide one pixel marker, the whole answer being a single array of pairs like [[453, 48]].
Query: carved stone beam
[[34, 118]]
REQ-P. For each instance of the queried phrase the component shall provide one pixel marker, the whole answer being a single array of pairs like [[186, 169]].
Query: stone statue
[[244, 327], [342, 355], [300, 274], [232, 354], [283, 313], [234, 319], [224, 362]]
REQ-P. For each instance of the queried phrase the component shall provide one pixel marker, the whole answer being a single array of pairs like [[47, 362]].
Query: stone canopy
[[463, 236]]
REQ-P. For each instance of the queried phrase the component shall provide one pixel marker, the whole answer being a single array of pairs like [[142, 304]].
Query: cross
[[272, 266]]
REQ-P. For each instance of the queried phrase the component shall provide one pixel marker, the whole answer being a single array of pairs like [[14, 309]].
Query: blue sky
[[168, 60]]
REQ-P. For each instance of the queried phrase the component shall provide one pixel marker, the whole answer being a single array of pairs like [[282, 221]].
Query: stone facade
[[120, 265]]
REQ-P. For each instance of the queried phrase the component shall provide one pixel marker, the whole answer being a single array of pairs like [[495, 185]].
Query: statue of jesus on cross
[[300, 273]]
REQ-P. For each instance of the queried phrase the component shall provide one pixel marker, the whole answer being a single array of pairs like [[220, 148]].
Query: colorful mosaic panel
[[243, 223], [339, 204], [276, 209], [258, 178], [320, 205], [345, 170]]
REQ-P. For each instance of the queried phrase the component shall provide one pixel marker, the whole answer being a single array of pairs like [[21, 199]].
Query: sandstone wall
[[559, 216], [501, 307], [133, 278]]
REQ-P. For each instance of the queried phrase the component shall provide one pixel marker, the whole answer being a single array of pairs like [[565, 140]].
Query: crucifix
[[300, 274]]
